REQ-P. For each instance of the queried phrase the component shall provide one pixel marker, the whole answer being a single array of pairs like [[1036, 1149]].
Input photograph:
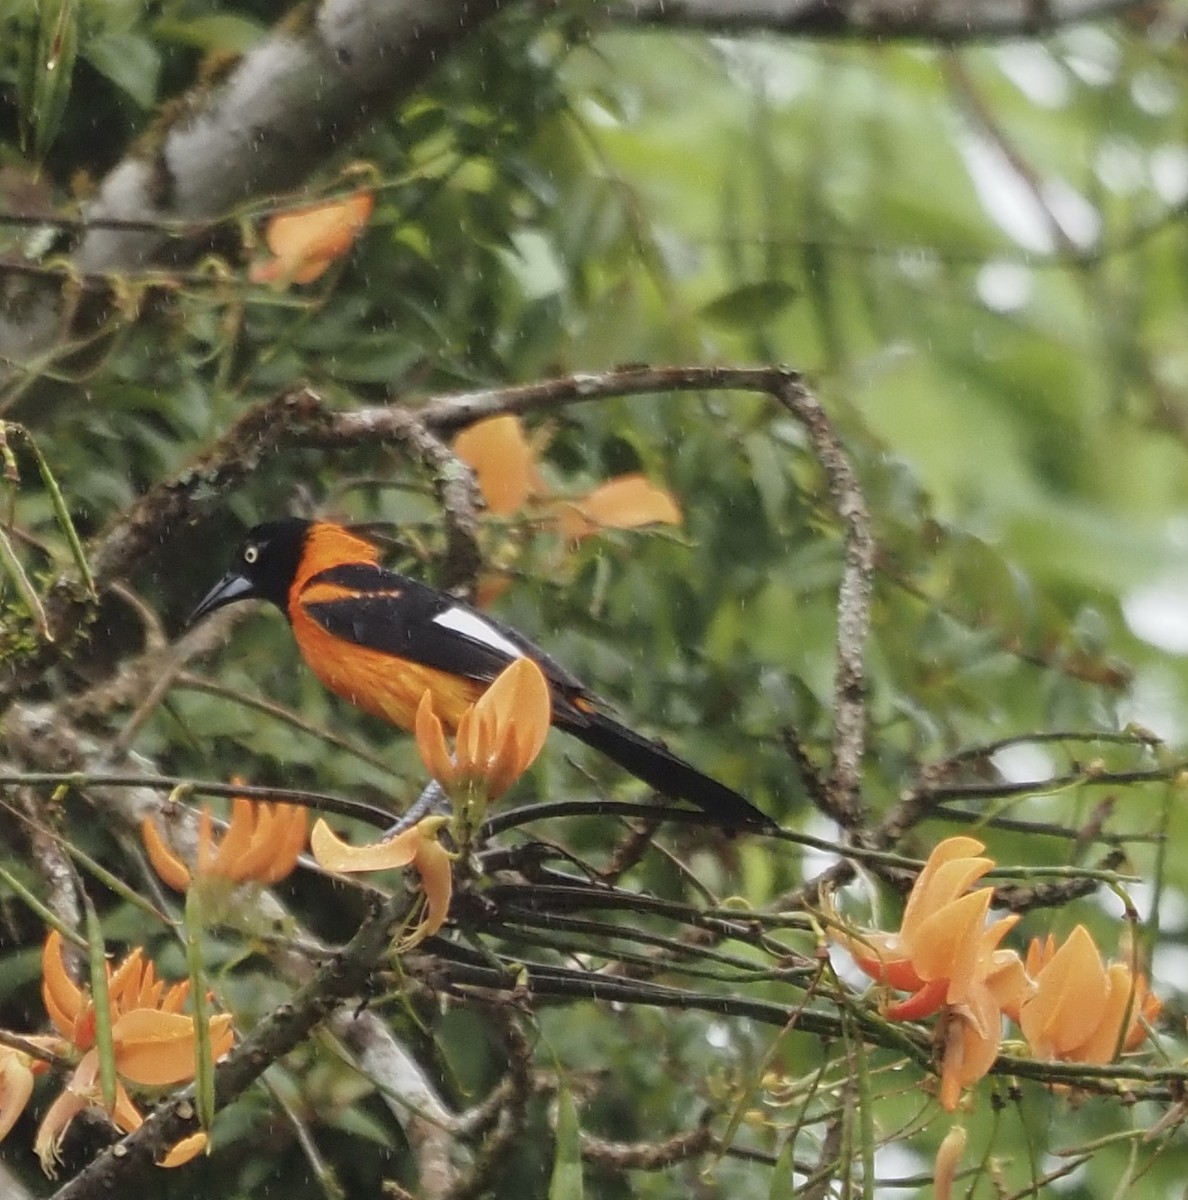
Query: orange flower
[[153, 1039], [262, 843], [948, 958], [498, 738], [154, 1043], [416, 847], [938, 947], [307, 240], [1079, 1009], [503, 461]]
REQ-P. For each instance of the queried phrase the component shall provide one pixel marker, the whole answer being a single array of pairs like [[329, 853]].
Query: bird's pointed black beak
[[232, 587]]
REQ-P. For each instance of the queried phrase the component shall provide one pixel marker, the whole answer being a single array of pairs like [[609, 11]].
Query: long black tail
[[663, 770]]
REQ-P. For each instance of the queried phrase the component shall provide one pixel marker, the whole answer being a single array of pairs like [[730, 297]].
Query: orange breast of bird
[[381, 684]]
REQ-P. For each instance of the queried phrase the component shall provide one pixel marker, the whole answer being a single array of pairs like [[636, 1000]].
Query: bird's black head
[[263, 568]]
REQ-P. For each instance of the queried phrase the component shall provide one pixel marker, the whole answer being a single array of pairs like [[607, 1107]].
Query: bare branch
[[843, 788], [948, 21], [409, 1094]]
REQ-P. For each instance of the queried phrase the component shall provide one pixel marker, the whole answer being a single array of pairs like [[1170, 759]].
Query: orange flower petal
[[431, 744], [157, 1049], [1039, 954], [947, 943], [880, 955], [529, 708], [943, 852], [973, 1034], [125, 1114], [123, 986], [928, 1000], [222, 1036], [897, 973], [294, 827], [237, 839], [515, 713], [437, 878], [52, 1130], [1101, 1045], [183, 1151], [154, 1048], [257, 856], [626, 502], [167, 864], [503, 461], [469, 744], [1007, 980], [64, 999], [334, 854], [174, 999], [16, 1086], [307, 240], [940, 884]]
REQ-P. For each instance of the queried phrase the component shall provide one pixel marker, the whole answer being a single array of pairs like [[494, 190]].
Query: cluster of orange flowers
[[154, 1042], [262, 843], [1068, 1003], [506, 464]]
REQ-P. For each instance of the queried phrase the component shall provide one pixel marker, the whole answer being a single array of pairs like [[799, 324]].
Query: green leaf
[[101, 998], [46, 73], [750, 305], [224, 34], [61, 512], [781, 1175], [204, 1092], [131, 62], [566, 1183]]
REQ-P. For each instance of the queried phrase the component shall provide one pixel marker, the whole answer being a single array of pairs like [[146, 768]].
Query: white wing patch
[[471, 625]]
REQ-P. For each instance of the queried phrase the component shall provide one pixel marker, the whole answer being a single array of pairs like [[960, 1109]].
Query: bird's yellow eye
[[250, 554]]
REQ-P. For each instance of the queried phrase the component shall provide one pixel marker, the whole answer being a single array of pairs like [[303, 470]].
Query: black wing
[[397, 615]]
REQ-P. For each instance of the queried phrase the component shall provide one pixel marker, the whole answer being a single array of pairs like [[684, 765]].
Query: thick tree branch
[[946, 21]]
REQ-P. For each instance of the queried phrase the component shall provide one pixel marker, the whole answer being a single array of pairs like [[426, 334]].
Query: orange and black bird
[[380, 640]]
